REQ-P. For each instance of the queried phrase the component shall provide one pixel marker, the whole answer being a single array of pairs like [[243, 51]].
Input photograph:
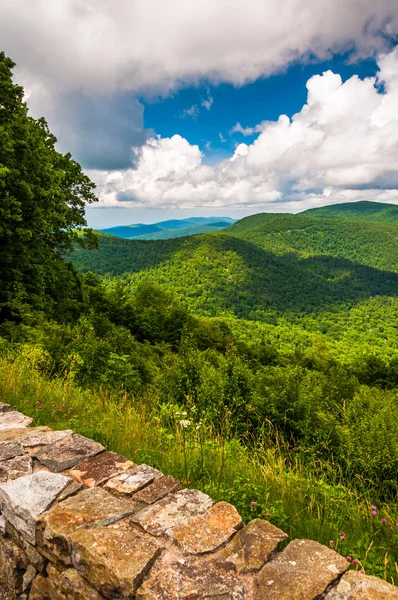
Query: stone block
[[13, 419], [91, 507], [114, 559], [132, 480], [303, 571], [4, 407], [158, 489], [355, 586], [191, 579], [11, 449], [23, 500], [206, 532], [67, 452], [18, 433], [15, 467], [252, 546], [160, 518], [98, 469], [34, 558], [76, 587], [44, 589], [13, 565], [34, 439]]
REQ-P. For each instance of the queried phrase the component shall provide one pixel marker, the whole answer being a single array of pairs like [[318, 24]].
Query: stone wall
[[79, 522]]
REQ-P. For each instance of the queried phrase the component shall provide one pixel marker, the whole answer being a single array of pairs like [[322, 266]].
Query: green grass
[[261, 479]]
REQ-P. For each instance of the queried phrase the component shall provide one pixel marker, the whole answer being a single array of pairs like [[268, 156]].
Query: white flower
[[185, 423], [184, 414]]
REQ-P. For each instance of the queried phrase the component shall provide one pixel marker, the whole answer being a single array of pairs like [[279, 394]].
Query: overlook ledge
[[78, 522]]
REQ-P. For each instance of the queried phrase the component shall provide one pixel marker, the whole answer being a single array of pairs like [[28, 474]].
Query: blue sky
[[148, 96]]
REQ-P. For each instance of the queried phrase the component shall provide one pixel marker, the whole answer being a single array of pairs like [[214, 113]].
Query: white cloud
[[208, 102], [105, 46], [222, 138], [341, 146], [247, 130], [192, 111]]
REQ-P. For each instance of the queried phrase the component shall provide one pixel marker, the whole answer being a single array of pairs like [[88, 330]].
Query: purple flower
[[360, 571], [348, 558], [253, 503], [355, 561], [374, 512], [384, 521], [331, 543], [342, 537], [373, 508], [161, 452]]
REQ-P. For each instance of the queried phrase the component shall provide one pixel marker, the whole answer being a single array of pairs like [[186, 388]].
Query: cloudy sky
[[214, 107]]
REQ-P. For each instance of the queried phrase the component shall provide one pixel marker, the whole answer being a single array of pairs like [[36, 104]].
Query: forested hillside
[[358, 211], [259, 364]]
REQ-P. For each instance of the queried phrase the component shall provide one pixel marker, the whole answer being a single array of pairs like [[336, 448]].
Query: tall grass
[[262, 479]]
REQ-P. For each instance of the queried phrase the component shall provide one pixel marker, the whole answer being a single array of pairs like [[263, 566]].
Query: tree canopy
[[42, 206]]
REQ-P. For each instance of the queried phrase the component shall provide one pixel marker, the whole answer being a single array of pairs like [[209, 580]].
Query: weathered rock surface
[[252, 546], [44, 589], [73, 585], [13, 419], [4, 407], [132, 480], [23, 500], [15, 467], [34, 439], [191, 579], [10, 450], [98, 469], [67, 452], [355, 586], [19, 433], [114, 559], [206, 532], [88, 508], [158, 489], [35, 559], [302, 571], [162, 517], [13, 565]]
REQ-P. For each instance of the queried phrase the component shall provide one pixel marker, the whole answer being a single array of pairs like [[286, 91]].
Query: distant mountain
[[359, 211], [170, 229]]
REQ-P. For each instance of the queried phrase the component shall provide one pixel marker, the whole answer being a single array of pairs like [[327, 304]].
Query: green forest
[[258, 364]]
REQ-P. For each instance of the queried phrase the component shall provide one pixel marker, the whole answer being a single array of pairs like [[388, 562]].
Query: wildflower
[[184, 414], [341, 533], [373, 508], [267, 514], [384, 521], [355, 561], [40, 407], [185, 423], [161, 452], [331, 543], [342, 537], [361, 571], [348, 558], [253, 503], [374, 512]]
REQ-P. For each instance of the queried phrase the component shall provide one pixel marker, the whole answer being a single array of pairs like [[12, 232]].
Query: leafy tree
[[42, 204]]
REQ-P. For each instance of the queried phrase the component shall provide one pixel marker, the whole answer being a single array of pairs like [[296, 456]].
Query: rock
[[355, 586], [19, 433], [252, 546], [35, 439], [190, 579], [4, 407], [13, 565], [13, 420], [34, 558], [2, 525], [206, 532], [67, 452], [98, 469], [10, 450], [15, 467], [114, 559], [23, 500], [72, 489], [44, 589], [302, 571], [90, 507], [75, 587], [158, 489], [28, 578], [132, 480], [172, 510]]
